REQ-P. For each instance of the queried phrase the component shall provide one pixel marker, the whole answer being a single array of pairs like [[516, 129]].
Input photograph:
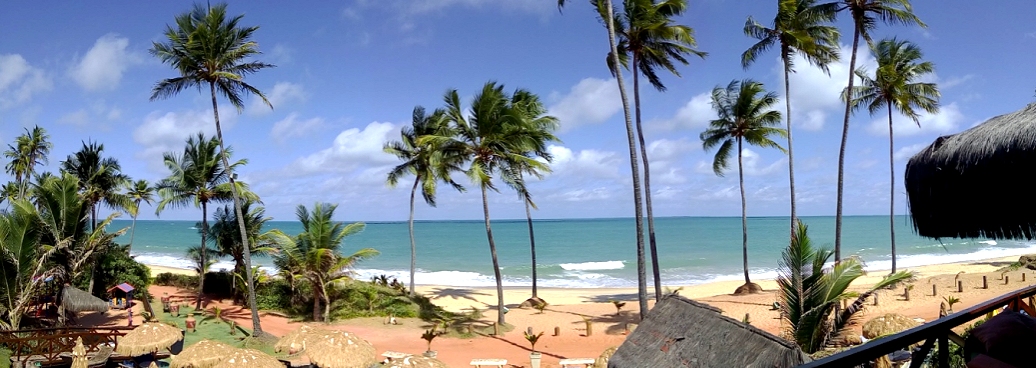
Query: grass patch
[[211, 328]]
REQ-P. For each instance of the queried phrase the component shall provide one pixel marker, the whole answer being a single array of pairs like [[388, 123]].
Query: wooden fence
[[47, 344]]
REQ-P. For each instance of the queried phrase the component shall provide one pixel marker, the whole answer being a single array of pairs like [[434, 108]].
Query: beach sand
[[568, 307]]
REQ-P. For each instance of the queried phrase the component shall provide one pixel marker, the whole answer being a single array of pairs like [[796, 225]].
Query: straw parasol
[[79, 359], [415, 361], [248, 358], [888, 324], [976, 184], [297, 340], [340, 349], [203, 354], [148, 338], [74, 300]]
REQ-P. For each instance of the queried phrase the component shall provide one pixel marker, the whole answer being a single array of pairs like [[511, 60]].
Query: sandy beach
[[568, 307]]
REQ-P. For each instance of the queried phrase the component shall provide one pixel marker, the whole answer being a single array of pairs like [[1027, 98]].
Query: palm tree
[[30, 149], [316, 253], [228, 239], [865, 14], [800, 27], [23, 260], [495, 141], [648, 37], [895, 85], [99, 179], [200, 263], [206, 48], [197, 176], [809, 294], [428, 166], [138, 191], [607, 11], [744, 115]]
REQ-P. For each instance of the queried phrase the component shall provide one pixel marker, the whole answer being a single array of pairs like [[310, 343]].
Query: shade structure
[[202, 354], [248, 358], [298, 339], [340, 349], [977, 183], [148, 338], [79, 359], [75, 300], [415, 361]]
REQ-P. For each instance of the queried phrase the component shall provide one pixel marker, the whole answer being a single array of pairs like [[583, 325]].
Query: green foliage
[[116, 266], [430, 335], [541, 307], [533, 338], [618, 306], [177, 280]]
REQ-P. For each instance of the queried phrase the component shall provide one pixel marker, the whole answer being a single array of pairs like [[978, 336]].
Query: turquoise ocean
[[591, 253]]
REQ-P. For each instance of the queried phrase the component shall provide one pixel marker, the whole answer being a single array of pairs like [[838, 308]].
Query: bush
[[116, 266], [176, 280]]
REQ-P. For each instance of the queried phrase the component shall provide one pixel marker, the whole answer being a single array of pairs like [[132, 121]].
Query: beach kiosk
[[122, 298]]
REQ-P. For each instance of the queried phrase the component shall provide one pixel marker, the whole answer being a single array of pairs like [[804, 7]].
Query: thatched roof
[[74, 300], [888, 324], [977, 183], [415, 361], [248, 358], [298, 339], [340, 349], [679, 332], [148, 338], [202, 354]]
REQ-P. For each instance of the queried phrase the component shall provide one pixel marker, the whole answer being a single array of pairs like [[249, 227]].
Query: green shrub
[[176, 280], [116, 266]]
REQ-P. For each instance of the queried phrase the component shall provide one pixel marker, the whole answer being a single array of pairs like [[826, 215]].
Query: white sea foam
[[988, 242], [180, 262], [593, 266]]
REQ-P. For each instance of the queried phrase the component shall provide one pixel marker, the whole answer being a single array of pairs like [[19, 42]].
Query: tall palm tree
[[650, 40], [30, 150], [865, 14], [800, 27], [429, 166], [495, 142], [896, 85], [139, 191], [744, 116], [208, 49], [316, 253], [198, 177], [100, 178], [605, 7], [228, 239]]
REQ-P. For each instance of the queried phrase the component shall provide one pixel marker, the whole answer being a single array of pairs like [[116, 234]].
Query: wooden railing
[[47, 344], [936, 332]]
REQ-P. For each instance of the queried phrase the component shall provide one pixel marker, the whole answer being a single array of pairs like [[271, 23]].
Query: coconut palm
[[198, 177], [30, 150], [809, 294], [100, 178], [23, 260], [139, 191], [865, 14], [744, 114], [208, 49], [607, 11], [896, 85], [316, 254], [428, 166], [649, 40], [800, 27], [200, 262], [495, 141], [228, 239]]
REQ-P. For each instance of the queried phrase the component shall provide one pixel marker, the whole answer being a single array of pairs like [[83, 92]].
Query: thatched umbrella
[[888, 324], [976, 184], [602, 360], [297, 340], [148, 338], [340, 349], [248, 358], [202, 354], [74, 300], [79, 359], [415, 361]]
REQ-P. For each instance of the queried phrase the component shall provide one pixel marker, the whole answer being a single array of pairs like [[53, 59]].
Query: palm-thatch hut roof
[[148, 338], [976, 184], [74, 300], [415, 361], [340, 349], [679, 332], [298, 339], [248, 358], [202, 354]]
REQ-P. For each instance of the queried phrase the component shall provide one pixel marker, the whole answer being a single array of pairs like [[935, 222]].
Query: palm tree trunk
[[496, 263], [634, 169], [791, 155], [744, 211], [133, 229], [841, 149], [327, 308], [647, 184], [97, 262], [257, 328], [532, 247], [316, 302], [892, 191], [413, 244], [204, 260]]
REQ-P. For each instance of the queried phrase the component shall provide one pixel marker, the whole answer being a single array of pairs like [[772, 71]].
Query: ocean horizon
[[592, 253]]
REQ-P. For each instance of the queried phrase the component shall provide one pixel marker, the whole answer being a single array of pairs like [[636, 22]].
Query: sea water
[[590, 253]]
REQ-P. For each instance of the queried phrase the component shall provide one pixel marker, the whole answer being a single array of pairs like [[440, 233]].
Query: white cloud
[[947, 120], [103, 65], [167, 132], [669, 149], [585, 164], [816, 96], [753, 165], [282, 94], [351, 149], [79, 118], [695, 114], [954, 81], [591, 101], [908, 151], [19, 81], [292, 126]]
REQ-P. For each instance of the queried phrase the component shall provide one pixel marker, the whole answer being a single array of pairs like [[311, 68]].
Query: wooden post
[[960, 286], [934, 292], [747, 320], [1006, 279], [1023, 276], [496, 329], [875, 299], [557, 331], [906, 294], [984, 284], [589, 328], [529, 330]]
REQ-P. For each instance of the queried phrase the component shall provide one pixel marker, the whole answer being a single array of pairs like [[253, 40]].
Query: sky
[[349, 73]]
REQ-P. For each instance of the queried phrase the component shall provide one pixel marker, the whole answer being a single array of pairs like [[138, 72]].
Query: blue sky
[[349, 73]]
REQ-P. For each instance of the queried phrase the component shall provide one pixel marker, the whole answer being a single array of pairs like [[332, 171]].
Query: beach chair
[[480, 363], [577, 362]]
